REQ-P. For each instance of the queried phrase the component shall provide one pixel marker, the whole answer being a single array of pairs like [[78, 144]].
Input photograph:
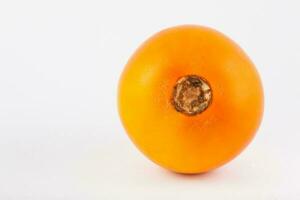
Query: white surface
[[60, 135]]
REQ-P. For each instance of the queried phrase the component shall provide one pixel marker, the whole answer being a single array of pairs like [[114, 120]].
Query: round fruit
[[190, 99]]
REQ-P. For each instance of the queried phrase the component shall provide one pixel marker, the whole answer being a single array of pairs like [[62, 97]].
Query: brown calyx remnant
[[192, 95]]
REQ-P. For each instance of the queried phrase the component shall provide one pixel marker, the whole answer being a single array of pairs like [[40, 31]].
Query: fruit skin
[[181, 143]]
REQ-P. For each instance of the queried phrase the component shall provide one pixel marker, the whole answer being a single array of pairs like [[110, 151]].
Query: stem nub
[[192, 95]]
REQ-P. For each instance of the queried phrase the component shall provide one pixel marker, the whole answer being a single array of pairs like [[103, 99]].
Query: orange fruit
[[190, 99]]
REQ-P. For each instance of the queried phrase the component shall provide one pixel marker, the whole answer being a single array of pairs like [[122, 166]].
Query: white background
[[60, 135]]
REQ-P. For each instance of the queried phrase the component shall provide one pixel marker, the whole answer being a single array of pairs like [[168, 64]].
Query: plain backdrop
[[60, 134]]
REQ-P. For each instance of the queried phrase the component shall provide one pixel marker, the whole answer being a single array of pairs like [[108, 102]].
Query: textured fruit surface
[[212, 135]]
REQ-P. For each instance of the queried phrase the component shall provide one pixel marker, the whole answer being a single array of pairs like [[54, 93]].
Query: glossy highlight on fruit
[[190, 99]]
